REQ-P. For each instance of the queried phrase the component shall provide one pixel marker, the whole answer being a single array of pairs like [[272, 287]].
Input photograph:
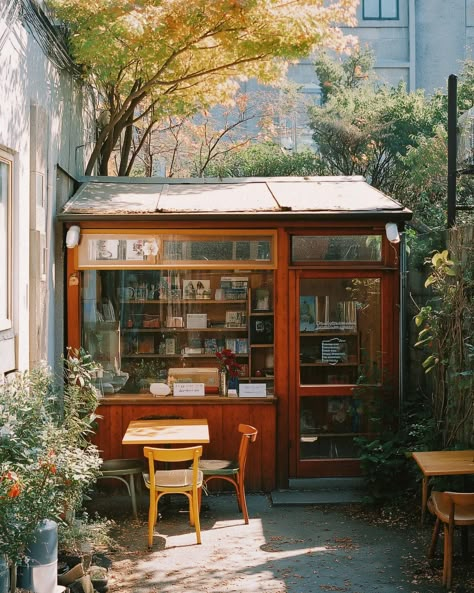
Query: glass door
[[339, 361]]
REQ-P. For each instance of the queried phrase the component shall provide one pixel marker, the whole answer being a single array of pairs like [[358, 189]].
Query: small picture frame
[[261, 330], [234, 319], [106, 249], [202, 289], [134, 250], [308, 313]]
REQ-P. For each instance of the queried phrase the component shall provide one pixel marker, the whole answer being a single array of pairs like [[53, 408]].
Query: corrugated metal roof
[[109, 196], [332, 194], [218, 197], [117, 198]]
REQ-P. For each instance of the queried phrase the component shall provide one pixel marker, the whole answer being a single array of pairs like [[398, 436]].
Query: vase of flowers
[[229, 370]]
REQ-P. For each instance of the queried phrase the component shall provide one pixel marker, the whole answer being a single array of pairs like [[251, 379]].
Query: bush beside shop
[[46, 459]]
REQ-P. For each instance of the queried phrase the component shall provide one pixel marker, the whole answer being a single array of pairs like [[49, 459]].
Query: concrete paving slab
[[294, 549]]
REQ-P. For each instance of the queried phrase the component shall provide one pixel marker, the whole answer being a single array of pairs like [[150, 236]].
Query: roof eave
[[398, 215]]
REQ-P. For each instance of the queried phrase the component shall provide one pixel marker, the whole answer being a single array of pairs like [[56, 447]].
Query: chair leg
[[152, 514], [434, 538], [243, 502], [133, 496], [191, 509], [448, 556], [197, 524], [151, 520], [445, 554]]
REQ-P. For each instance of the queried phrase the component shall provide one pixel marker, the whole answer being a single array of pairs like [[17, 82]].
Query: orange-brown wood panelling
[[223, 421]]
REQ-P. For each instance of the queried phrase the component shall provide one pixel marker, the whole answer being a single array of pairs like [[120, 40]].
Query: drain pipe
[[403, 347]]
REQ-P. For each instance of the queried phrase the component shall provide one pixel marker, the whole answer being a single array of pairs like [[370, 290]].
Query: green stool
[[117, 469]]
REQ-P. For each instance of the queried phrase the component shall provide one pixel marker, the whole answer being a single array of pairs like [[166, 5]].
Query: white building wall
[[42, 121], [428, 42], [441, 40], [424, 46]]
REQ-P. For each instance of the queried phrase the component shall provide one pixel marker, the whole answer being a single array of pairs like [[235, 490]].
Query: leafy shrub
[[46, 459]]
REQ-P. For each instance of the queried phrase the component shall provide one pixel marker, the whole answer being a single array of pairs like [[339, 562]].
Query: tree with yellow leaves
[[174, 57]]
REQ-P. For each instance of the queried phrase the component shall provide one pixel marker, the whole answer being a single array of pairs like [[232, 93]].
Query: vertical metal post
[[452, 147]]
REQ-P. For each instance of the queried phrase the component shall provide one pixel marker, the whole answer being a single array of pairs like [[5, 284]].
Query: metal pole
[[452, 147]]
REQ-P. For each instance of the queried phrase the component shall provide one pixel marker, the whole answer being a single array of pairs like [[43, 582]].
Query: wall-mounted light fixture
[[391, 230], [73, 236]]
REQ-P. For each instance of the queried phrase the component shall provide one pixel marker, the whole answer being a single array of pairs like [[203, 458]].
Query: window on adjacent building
[[5, 240], [380, 9]]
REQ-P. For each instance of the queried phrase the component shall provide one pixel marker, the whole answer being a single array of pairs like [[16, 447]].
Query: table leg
[[424, 497]]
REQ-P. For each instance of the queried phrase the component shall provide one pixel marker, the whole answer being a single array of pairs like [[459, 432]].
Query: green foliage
[[144, 372], [445, 325], [266, 160], [83, 532], [388, 469], [335, 75], [366, 130], [46, 461], [395, 139]]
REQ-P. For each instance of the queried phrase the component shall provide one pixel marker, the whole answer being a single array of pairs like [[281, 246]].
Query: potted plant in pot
[[46, 459]]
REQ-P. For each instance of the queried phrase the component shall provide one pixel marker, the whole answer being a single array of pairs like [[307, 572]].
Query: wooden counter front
[[223, 414]]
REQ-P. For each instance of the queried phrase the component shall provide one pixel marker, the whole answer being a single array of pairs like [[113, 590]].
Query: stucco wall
[[44, 116]]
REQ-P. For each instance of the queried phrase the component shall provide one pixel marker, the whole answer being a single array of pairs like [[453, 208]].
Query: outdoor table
[[167, 432], [442, 463]]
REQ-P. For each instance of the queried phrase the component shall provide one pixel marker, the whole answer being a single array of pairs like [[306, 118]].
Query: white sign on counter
[[253, 390], [188, 389]]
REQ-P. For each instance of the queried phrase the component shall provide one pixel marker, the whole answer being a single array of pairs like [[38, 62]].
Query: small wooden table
[[442, 463], [167, 432]]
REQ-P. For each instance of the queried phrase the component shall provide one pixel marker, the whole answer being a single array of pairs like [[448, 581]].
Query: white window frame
[[6, 207], [381, 16]]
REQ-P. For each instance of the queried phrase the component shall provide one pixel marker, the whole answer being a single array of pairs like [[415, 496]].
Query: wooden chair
[[452, 509], [173, 481], [232, 471]]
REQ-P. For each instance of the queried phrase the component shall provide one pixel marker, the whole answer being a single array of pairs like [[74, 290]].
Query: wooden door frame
[[389, 303]]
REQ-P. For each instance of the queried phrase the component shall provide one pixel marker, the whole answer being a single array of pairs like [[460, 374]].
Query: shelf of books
[[328, 341]]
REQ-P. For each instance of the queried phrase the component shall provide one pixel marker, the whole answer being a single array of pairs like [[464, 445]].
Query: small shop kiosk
[[299, 278]]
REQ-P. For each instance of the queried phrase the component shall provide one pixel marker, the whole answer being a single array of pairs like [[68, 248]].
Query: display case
[[181, 318]]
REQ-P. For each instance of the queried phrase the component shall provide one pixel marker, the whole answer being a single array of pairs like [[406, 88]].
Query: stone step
[[307, 491]]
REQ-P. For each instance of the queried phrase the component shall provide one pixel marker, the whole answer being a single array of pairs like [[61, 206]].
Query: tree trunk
[[126, 147]]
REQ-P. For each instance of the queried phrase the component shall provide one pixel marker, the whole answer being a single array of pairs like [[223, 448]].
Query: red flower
[[14, 491], [228, 362]]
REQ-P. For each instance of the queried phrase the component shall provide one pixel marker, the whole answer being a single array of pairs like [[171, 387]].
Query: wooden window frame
[[6, 313]]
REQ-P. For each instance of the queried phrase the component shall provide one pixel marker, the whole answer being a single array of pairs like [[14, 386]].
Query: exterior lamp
[[391, 230], [73, 236]]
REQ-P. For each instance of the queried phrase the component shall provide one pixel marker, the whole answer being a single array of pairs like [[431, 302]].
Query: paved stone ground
[[294, 549]]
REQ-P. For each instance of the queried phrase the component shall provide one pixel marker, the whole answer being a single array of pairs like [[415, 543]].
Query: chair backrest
[[177, 455], [249, 435], [459, 506]]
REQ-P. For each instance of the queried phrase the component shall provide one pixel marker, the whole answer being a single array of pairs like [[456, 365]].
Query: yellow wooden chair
[[452, 509], [232, 471], [187, 481]]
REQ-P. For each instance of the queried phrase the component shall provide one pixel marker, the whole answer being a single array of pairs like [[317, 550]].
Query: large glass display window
[[164, 325]]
